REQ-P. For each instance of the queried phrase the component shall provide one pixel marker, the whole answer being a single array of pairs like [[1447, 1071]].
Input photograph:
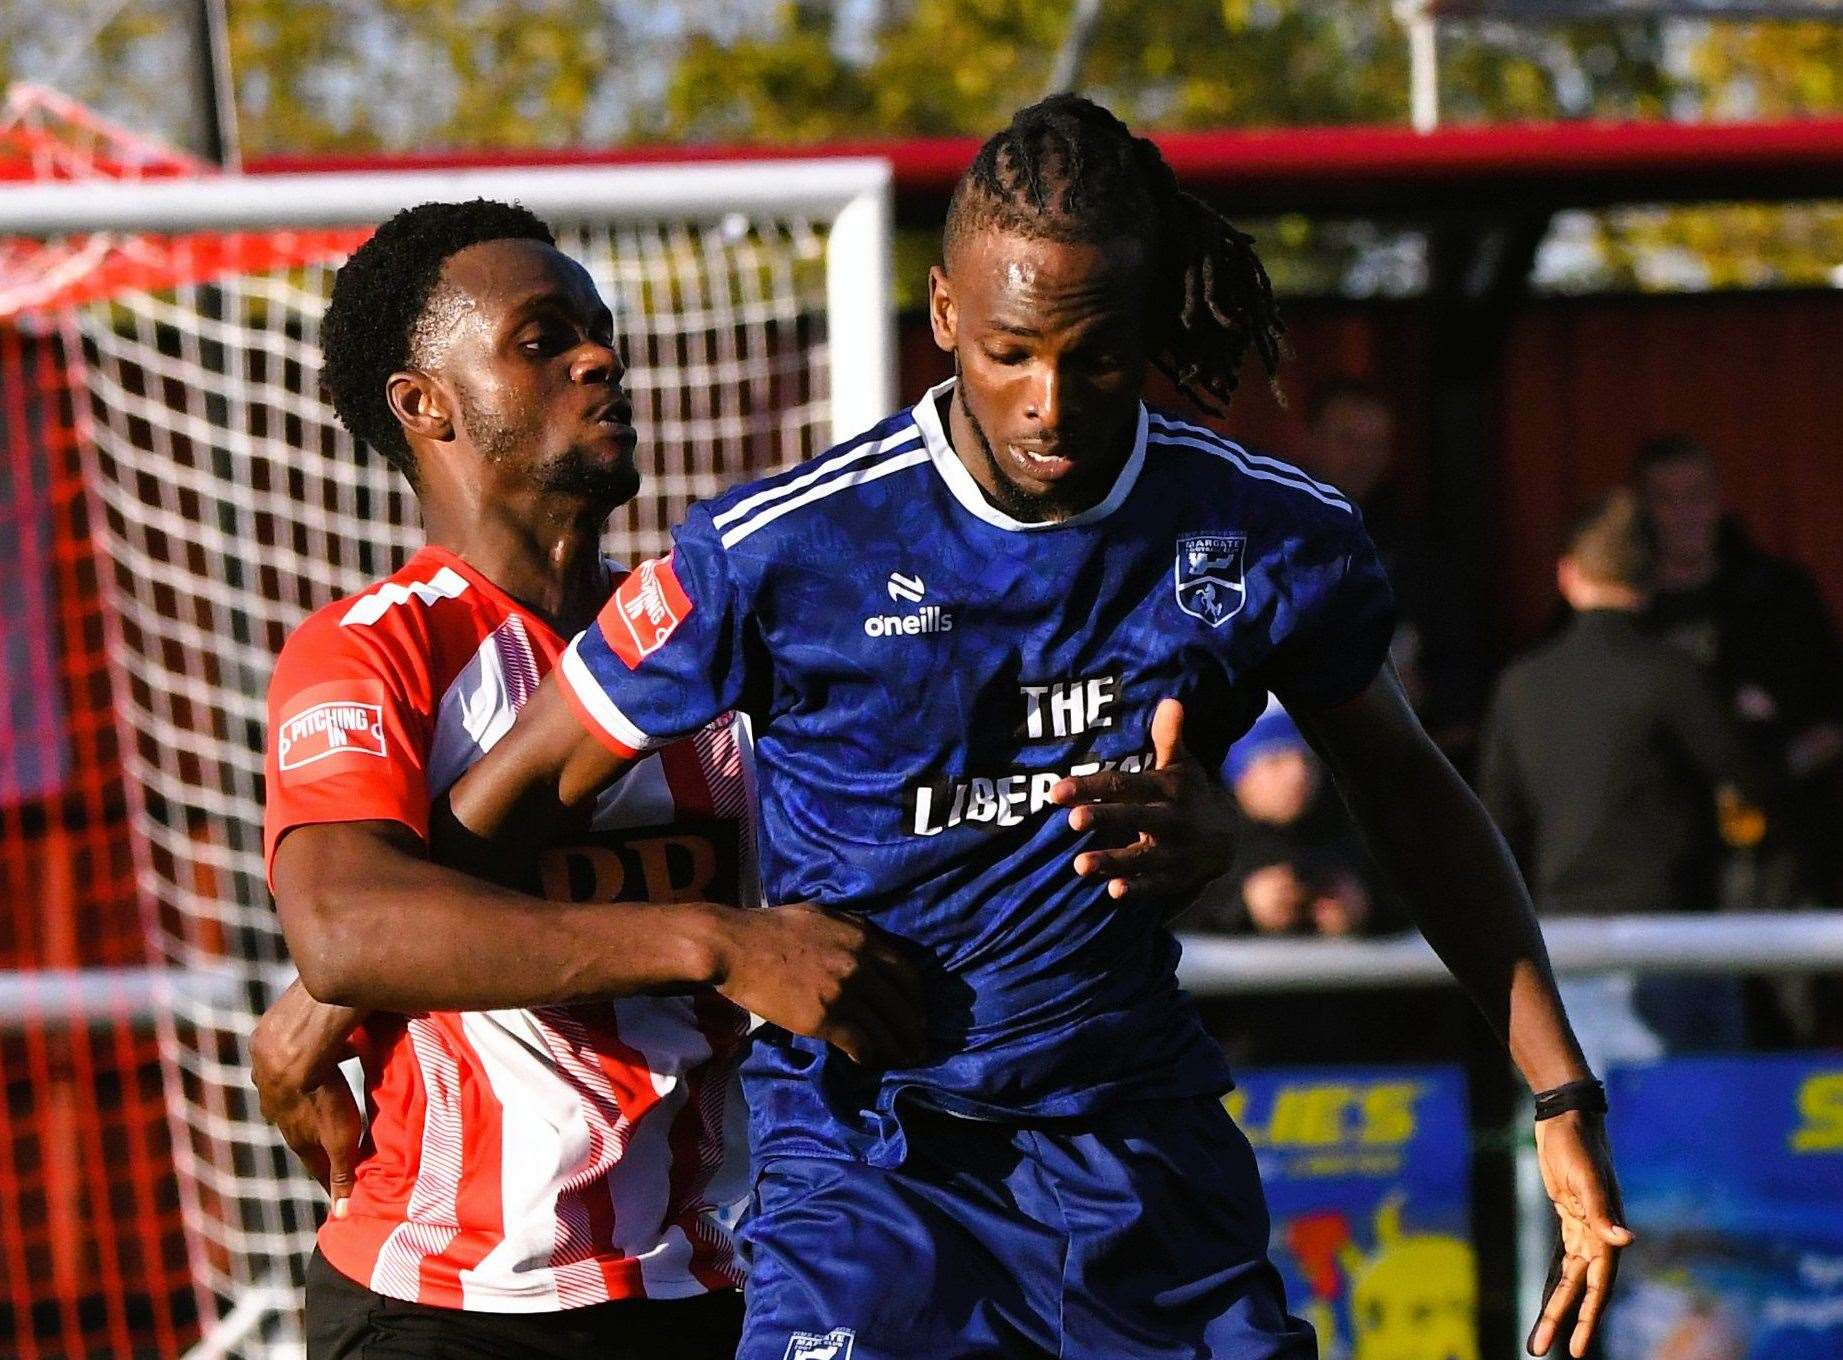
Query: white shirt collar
[[965, 490]]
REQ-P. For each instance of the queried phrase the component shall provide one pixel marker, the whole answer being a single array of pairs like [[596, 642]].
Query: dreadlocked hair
[[1067, 170], [380, 296]]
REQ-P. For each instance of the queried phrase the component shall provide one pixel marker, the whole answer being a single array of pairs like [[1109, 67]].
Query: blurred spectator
[[1299, 868], [1757, 626], [1606, 758], [1350, 442]]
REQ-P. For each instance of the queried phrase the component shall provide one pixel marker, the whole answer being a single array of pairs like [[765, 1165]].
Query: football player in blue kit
[[946, 633]]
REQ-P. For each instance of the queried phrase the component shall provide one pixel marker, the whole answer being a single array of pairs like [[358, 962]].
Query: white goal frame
[[853, 192], [848, 199]]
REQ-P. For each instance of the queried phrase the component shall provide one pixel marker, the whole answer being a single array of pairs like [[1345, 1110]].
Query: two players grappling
[[1037, 1163]]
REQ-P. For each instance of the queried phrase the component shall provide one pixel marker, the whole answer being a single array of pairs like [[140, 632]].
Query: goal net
[[752, 306]]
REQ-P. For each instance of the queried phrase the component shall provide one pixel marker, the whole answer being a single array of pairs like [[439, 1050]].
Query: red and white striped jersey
[[521, 1160]]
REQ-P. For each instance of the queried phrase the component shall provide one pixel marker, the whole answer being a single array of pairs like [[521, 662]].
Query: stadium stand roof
[[1359, 170]]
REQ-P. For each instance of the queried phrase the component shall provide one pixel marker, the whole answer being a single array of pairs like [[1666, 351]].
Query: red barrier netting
[[197, 437], [92, 1256]]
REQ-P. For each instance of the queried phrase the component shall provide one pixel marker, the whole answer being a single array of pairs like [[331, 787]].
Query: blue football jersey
[[920, 670]]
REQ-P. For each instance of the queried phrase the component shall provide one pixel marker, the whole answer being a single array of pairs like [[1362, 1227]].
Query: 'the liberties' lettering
[[1068, 708], [998, 800]]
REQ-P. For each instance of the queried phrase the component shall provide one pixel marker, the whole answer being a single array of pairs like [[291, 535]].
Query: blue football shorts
[[1137, 1231]]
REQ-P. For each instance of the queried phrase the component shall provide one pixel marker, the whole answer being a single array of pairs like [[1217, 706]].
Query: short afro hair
[[379, 297]]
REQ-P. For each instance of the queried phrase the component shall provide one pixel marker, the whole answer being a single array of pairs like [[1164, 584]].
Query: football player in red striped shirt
[[550, 1083]]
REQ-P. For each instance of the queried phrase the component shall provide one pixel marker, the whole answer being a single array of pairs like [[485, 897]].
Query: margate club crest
[[1209, 577]]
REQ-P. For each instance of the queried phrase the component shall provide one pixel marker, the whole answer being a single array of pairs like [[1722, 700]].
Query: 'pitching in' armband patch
[[329, 729], [644, 611]]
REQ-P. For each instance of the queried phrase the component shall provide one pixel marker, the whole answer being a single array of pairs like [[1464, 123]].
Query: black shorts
[[346, 1321]]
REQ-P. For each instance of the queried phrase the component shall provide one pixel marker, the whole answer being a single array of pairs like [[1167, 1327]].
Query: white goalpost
[[753, 306]]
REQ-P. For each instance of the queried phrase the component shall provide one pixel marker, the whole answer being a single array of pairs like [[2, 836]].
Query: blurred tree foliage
[[316, 75], [358, 75], [1770, 70], [122, 60], [459, 72], [946, 66], [957, 66], [354, 75]]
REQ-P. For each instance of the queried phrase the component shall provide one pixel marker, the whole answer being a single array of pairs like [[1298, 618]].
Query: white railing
[[131, 996], [1736, 942], [1740, 942]]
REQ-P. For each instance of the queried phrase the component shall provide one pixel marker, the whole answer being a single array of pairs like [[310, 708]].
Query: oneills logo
[[930, 618]]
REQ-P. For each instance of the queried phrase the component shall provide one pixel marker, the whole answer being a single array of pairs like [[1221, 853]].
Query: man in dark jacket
[[1351, 440], [1605, 759], [1758, 628]]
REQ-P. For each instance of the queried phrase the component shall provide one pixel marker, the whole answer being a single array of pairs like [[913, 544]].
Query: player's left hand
[[1171, 828], [308, 1102], [295, 1051], [1577, 1172]]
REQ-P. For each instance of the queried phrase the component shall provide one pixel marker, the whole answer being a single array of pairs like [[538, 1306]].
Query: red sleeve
[[349, 734]]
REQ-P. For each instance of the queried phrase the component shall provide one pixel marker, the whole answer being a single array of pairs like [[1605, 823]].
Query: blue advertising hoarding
[[1733, 1176], [1367, 1172]]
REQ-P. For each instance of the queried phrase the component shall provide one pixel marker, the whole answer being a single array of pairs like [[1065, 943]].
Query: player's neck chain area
[[933, 416]]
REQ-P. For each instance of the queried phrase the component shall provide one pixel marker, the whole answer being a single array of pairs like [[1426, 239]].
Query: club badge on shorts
[[832, 1345], [1208, 577]]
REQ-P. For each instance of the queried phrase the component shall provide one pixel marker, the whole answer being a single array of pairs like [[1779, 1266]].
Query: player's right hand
[[829, 976]]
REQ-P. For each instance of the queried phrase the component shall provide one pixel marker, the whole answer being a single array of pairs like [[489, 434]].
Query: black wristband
[[1587, 1095]]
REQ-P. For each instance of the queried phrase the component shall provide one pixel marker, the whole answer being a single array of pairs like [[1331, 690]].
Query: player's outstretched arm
[[373, 921], [375, 924], [1433, 840]]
